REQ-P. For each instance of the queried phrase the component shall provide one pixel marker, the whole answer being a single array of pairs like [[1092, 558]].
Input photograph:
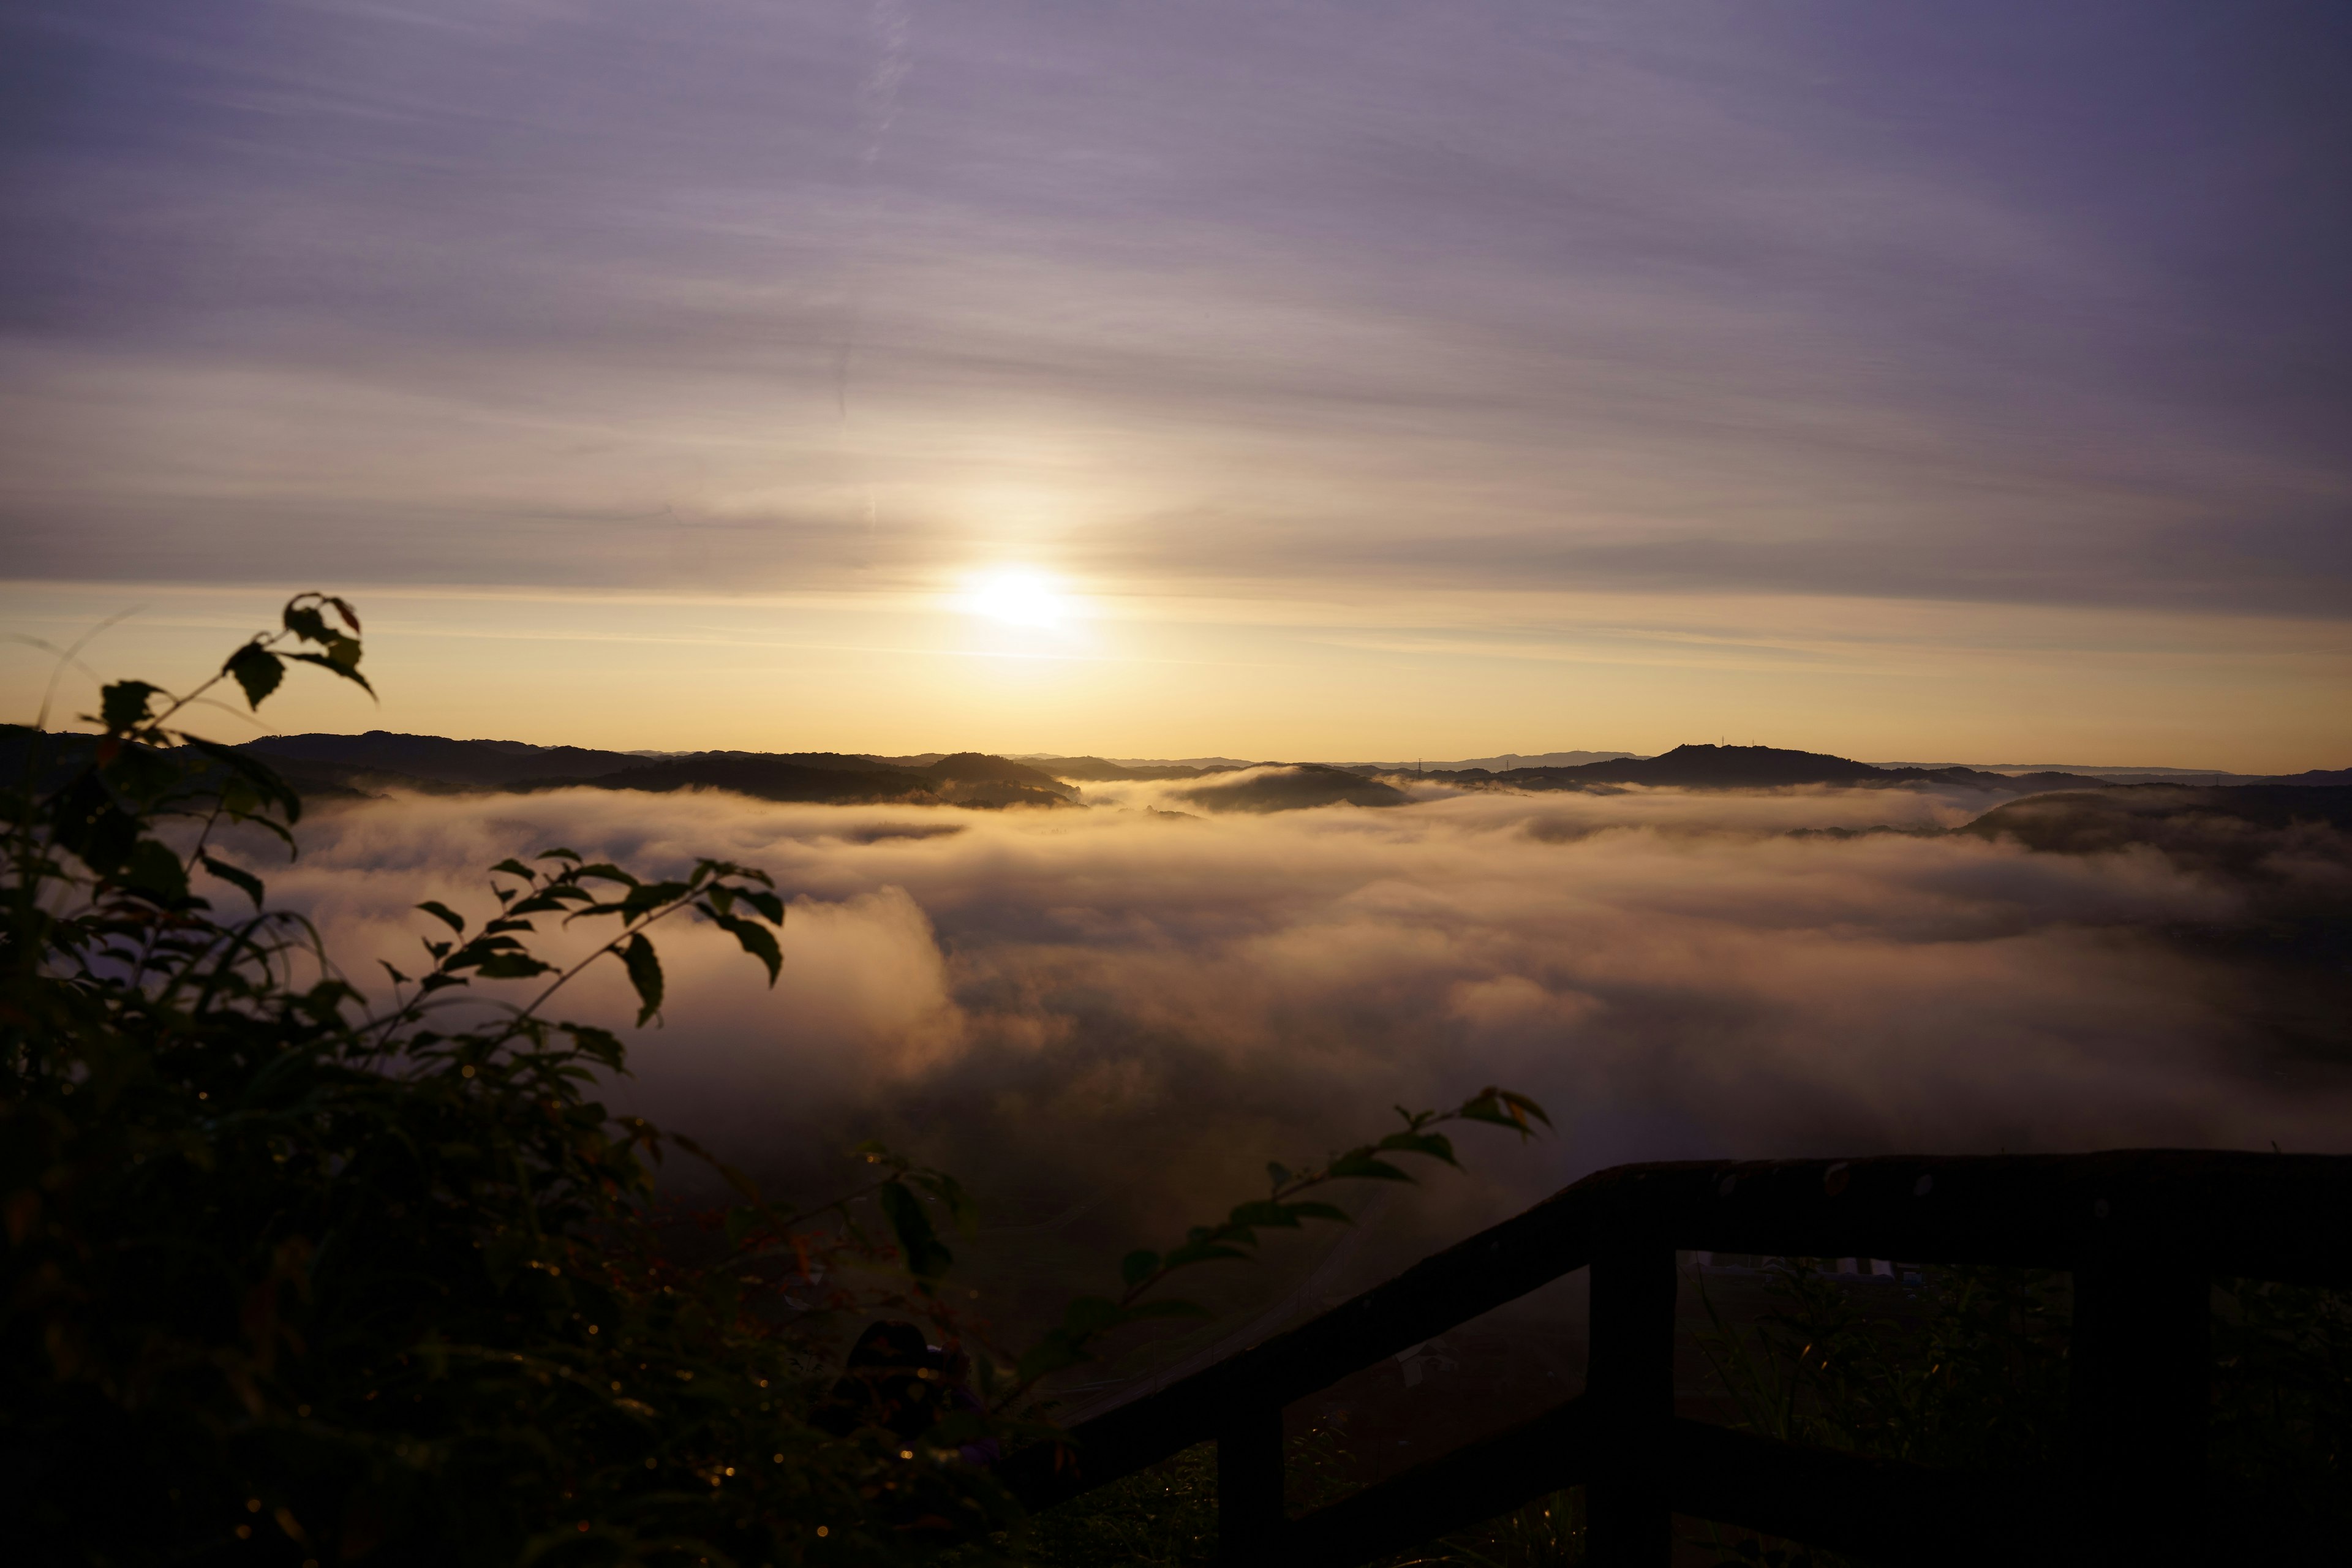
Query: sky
[[1353, 382]]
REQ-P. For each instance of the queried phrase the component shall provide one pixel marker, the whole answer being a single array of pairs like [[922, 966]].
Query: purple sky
[[2005, 304]]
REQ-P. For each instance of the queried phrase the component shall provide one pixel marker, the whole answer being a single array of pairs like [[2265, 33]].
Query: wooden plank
[[2141, 1368], [1469, 1485], [1249, 1481], [1630, 1383], [2273, 1216]]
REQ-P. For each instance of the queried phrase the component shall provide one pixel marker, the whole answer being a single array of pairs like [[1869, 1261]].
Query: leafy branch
[[1088, 1317]]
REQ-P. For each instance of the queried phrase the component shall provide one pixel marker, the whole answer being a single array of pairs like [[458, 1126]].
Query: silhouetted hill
[[1507, 763], [2277, 954], [2235, 827], [326, 765], [1277, 787], [1096, 770], [977, 767], [1752, 767], [436, 758], [764, 778], [966, 779]]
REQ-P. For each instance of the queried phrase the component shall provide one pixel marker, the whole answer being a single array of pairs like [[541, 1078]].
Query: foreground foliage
[[294, 1276]]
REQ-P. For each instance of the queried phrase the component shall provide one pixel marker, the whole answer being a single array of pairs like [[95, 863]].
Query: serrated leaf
[[1051, 1354], [259, 776], [1362, 1166], [257, 669], [1436, 1146], [349, 670], [244, 881], [645, 974], [154, 871], [513, 867], [756, 939], [122, 707], [1193, 1252], [963, 1212], [445, 914], [512, 966], [1169, 1308], [1088, 1315], [918, 1244]]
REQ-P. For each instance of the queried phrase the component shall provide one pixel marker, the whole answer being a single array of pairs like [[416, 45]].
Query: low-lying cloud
[[1064, 1004]]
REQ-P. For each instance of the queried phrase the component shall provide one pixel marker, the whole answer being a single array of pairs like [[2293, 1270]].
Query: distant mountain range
[[378, 760], [1748, 767], [1772, 767]]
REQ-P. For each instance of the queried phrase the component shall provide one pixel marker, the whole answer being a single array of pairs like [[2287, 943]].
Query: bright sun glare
[[1018, 598]]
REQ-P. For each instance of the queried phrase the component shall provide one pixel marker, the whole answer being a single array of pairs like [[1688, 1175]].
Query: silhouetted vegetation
[[295, 1275]]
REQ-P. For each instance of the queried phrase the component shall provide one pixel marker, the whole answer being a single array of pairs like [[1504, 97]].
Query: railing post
[[2141, 1391], [1630, 1381], [1249, 1483]]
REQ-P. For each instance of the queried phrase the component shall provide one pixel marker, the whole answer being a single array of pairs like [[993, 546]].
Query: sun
[[1017, 597]]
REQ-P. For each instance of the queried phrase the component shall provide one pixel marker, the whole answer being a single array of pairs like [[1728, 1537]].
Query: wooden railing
[[2144, 1233]]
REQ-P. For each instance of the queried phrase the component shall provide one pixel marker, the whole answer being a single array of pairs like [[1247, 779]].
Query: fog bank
[[1117, 1002]]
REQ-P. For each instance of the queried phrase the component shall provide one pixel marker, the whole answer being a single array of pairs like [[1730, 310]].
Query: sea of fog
[[1115, 1005]]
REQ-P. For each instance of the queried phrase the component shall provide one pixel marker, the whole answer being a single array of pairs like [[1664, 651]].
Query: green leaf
[[962, 1210], [757, 940], [512, 966], [443, 913], [918, 1244], [257, 669], [262, 778], [1193, 1252], [306, 622], [86, 821], [513, 867], [1088, 1315], [1436, 1146], [645, 974], [1054, 1352], [1503, 1107], [1137, 1266], [122, 707], [154, 871], [1359, 1166], [246, 881], [346, 667], [1263, 1212]]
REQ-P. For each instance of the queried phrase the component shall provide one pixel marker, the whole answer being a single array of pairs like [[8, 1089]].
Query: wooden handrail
[[2143, 1231]]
